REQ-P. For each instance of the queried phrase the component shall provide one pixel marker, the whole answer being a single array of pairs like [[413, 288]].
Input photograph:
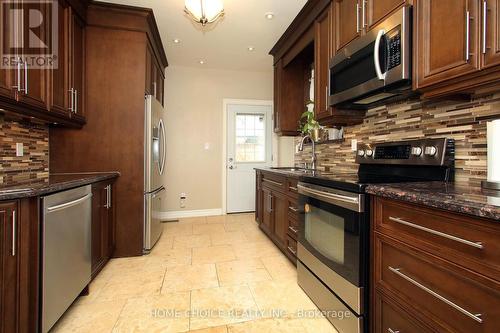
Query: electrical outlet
[[354, 144], [183, 198], [19, 149]]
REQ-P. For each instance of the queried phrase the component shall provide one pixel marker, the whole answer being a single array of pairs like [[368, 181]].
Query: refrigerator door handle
[[163, 144]]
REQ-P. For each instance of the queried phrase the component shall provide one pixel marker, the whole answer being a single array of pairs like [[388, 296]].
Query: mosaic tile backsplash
[[35, 162], [463, 121]]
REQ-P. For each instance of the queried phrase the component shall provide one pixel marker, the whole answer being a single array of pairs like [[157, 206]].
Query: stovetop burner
[[407, 161]]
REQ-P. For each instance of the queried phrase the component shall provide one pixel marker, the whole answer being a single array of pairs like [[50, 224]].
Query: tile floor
[[207, 275]]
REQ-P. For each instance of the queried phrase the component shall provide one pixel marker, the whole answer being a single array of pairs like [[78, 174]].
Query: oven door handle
[[376, 49], [328, 196]]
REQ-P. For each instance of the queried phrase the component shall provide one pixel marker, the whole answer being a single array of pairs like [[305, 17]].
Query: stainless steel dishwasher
[[66, 244]]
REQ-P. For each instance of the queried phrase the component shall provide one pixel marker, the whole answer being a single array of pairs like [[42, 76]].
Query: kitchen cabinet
[[49, 94], [347, 22], [490, 44], [155, 78], [448, 48], [19, 268], [7, 79], [258, 196], [103, 225], [375, 11], [278, 212], [322, 47], [414, 250]]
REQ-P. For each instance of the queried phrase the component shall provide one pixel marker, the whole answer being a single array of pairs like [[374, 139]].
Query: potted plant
[[309, 125]]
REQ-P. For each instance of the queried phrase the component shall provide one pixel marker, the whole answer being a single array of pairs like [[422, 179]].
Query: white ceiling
[[224, 46]]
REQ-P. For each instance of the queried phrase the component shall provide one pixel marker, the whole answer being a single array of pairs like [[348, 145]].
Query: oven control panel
[[434, 152]]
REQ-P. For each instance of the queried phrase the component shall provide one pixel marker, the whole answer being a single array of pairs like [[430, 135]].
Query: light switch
[[354, 144], [19, 149]]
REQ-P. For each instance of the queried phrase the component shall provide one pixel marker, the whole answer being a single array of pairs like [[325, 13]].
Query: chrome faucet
[[301, 148]]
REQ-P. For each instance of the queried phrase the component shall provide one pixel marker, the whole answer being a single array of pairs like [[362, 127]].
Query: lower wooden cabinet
[[416, 253], [103, 225], [19, 272], [276, 210]]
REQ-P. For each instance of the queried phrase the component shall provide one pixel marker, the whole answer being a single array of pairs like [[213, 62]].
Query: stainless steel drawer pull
[[292, 251], [397, 271], [390, 330], [477, 245], [294, 230], [467, 36], [69, 204], [485, 24], [291, 188], [273, 182], [293, 209], [14, 233]]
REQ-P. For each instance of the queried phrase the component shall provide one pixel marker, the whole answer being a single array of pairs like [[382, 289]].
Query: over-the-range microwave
[[375, 68]]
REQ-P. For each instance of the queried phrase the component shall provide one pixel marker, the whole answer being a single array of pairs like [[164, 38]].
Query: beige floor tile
[[137, 284], [165, 242], [284, 295], [317, 325], [280, 267], [213, 254], [208, 229], [190, 241], [165, 313], [169, 257], [189, 277], [177, 229], [95, 317], [268, 326], [221, 306], [256, 249], [236, 225], [241, 272], [228, 238], [219, 329], [254, 234], [194, 220], [216, 219]]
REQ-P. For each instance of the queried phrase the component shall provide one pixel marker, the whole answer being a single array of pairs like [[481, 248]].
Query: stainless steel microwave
[[375, 68]]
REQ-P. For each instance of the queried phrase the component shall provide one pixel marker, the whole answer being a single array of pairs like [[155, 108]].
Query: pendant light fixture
[[204, 11]]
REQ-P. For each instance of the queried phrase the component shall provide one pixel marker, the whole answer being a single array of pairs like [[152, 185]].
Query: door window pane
[[250, 138]]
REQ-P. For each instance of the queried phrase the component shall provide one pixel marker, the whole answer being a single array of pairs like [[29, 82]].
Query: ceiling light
[[202, 62], [269, 15], [177, 41], [251, 48], [204, 11]]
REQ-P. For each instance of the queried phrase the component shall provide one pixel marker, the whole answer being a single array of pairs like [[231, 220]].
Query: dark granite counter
[[54, 183], [456, 197]]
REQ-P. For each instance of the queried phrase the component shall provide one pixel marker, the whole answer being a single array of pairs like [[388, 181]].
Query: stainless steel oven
[[333, 253], [375, 68]]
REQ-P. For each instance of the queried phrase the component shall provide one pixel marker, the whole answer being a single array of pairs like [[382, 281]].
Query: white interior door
[[249, 146]]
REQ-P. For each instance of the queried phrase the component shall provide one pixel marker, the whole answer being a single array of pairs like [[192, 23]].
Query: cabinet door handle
[[357, 17], [18, 76], [477, 245], [485, 18], [14, 233], [76, 101], [467, 36], [397, 271], [270, 201], [390, 330], [72, 100], [363, 14], [26, 78], [292, 251], [293, 229], [326, 97], [109, 196]]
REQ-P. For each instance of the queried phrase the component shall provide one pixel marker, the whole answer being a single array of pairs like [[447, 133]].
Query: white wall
[[193, 101]]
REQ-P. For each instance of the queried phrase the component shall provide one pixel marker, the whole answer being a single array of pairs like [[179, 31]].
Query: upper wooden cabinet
[[52, 93], [376, 10], [155, 77], [490, 47], [322, 53], [347, 22], [446, 48]]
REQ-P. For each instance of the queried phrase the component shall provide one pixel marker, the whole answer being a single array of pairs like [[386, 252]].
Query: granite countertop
[[456, 197], [53, 183]]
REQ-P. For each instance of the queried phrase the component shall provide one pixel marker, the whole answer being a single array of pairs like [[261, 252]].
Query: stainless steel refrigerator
[[154, 169]]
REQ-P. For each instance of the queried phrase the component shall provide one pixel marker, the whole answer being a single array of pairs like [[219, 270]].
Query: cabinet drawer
[[469, 242], [274, 181], [390, 317], [454, 299], [293, 208], [291, 187], [293, 228], [291, 247]]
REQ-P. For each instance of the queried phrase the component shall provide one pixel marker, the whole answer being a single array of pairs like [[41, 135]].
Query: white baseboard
[[190, 213]]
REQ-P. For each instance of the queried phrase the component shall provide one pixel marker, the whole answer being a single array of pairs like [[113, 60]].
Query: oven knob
[[430, 151], [416, 151], [361, 153], [369, 153]]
